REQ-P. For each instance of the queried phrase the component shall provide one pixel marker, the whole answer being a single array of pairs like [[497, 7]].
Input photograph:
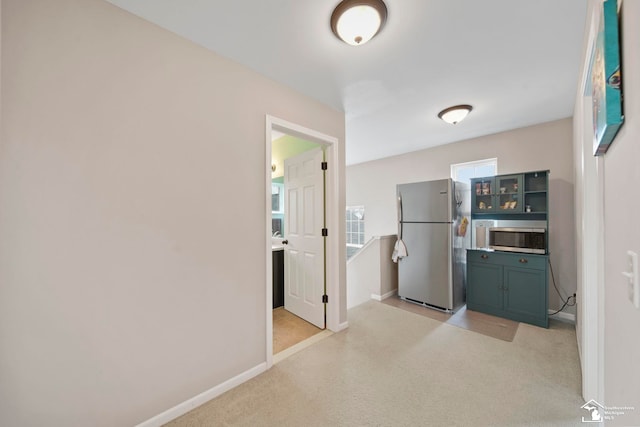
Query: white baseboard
[[341, 326], [385, 296], [567, 317], [186, 406]]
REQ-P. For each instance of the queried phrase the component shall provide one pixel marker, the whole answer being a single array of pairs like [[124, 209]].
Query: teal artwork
[[605, 80]]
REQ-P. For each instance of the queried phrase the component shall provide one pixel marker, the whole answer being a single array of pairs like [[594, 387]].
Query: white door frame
[[590, 231], [333, 218], [591, 265]]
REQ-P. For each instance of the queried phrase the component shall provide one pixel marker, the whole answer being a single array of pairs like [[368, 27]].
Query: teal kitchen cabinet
[[510, 285], [521, 196], [509, 193], [484, 279], [525, 296], [483, 194], [536, 187]]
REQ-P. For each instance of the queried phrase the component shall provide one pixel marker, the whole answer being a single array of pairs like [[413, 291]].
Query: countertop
[[276, 244]]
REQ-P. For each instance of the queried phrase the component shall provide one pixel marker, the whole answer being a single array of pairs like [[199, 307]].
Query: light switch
[[632, 275]]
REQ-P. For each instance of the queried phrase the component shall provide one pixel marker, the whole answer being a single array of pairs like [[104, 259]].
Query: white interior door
[[304, 220]]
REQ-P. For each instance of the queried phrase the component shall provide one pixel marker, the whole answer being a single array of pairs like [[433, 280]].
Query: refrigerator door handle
[[400, 217], [457, 197]]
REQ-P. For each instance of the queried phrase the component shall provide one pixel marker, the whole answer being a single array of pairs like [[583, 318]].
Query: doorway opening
[[297, 218], [301, 252]]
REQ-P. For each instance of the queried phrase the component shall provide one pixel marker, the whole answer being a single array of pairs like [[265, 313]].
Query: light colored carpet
[[396, 368], [482, 323], [289, 329]]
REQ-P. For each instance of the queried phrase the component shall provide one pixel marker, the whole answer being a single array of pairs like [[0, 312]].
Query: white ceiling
[[516, 61]]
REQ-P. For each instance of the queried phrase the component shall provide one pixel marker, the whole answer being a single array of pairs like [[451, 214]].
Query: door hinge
[[324, 166], [325, 299], [325, 232]]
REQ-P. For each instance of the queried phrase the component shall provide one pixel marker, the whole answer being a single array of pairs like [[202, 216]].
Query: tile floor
[[485, 324], [289, 329]]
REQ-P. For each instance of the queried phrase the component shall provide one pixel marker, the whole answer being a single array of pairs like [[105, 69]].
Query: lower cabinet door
[[525, 296], [484, 288], [278, 278]]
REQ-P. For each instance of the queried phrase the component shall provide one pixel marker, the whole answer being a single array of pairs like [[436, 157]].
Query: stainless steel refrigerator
[[434, 226]]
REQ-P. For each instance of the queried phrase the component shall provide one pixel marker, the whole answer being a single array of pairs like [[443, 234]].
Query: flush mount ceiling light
[[455, 114], [357, 21]]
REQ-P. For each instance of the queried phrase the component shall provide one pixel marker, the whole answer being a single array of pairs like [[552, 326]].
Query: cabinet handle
[[285, 242], [523, 260], [484, 256]]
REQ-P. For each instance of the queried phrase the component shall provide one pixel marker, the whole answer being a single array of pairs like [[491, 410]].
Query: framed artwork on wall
[[605, 80]]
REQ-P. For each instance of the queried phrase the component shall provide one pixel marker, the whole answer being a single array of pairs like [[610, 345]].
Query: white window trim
[[474, 163]]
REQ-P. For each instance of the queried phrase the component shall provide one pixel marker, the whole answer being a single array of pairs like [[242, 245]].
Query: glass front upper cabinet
[[483, 194], [509, 194], [524, 194]]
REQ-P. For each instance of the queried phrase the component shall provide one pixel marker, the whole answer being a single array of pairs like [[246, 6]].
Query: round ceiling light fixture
[[455, 114], [355, 22]]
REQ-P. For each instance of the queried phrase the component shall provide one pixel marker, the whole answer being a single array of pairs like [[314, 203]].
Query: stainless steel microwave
[[518, 239]]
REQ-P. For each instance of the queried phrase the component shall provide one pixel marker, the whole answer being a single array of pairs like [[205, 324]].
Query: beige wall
[[388, 268], [132, 187], [545, 146], [371, 272], [618, 173], [363, 274]]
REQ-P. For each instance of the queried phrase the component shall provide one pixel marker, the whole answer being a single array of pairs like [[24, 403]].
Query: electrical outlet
[[632, 276]]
